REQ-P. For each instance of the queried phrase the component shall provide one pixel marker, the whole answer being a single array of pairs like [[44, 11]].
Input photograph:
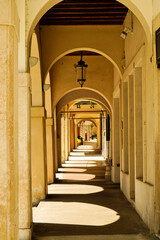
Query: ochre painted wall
[[59, 40], [99, 76]]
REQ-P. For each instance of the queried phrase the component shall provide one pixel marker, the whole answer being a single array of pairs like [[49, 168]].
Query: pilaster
[[49, 148], [24, 156], [138, 122], [9, 36], [38, 154], [131, 154]]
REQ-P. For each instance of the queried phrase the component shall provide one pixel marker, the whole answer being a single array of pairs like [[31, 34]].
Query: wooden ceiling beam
[[79, 3], [64, 23], [88, 11], [60, 7], [85, 53], [74, 13], [85, 12], [84, 17], [90, 1]]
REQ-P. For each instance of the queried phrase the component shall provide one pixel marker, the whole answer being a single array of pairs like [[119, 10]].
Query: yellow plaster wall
[[156, 25], [99, 76], [116, 77], [133, 44], [156, 10], [134, 41], [58, 40], [143, 11], [138, 54]]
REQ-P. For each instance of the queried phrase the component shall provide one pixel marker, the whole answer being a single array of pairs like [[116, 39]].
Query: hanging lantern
[[81, 68]]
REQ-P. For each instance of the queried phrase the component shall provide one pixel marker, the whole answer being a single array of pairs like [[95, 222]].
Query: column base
[[25, 234]]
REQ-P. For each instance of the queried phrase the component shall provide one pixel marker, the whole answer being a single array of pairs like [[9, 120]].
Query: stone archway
[[87, 94], [40, 9], [36, 11], [75, 94]]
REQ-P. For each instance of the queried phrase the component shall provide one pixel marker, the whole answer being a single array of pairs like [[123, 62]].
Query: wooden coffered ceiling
[[85, 12]]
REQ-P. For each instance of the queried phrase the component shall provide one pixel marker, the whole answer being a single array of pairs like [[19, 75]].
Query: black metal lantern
[[81, 68]]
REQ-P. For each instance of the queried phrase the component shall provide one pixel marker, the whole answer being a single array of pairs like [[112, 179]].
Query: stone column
[[68, 134], [24, 156], [56, 138], [38, 154], [100, 127], [66, 137], [75, 130], [9, 35], [62, 140], [104, 145], [72, 134], [49, 149], [98, 134]]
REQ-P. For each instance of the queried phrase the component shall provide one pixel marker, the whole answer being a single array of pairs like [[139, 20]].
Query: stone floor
[[84, 209]]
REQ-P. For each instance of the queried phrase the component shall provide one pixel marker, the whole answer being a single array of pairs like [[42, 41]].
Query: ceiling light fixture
[[81, 68]]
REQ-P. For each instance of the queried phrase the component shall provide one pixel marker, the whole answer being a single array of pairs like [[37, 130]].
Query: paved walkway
[[86, 208]]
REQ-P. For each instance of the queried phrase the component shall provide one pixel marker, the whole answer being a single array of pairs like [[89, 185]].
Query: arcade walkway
[[82, 206]]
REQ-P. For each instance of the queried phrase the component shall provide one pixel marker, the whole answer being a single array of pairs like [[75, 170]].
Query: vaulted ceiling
[[85, 12]]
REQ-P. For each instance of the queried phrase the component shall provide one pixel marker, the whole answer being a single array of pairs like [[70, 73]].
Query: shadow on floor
[[110, 198]]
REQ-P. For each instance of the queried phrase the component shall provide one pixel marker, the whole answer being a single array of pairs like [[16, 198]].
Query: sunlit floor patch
[[79, 165], [85, 147], [80, 170], [74, 213], [73, 189], [81, 161], [75, 176], [97, 158], [84, 150], [77, 154]]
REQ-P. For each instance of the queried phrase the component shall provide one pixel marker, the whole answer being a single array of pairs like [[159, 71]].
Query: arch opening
[[135, 7]]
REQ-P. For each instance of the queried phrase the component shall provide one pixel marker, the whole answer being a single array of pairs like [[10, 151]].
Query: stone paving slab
[[99, 237]]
